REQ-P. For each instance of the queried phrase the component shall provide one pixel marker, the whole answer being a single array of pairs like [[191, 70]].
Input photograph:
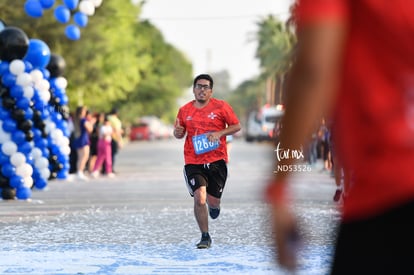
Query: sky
[[215, 35]]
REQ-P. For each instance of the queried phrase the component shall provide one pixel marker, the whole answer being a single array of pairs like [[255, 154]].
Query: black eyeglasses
[[201, 87]]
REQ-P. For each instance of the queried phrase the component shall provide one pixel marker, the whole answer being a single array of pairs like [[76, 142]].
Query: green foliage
[[275, 45], [247, 97], [167, 75], [119, 61]]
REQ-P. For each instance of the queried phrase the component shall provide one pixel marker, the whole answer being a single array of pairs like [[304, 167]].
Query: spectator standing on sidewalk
[[205, 122], [355, 62], [117, 141], [73, 156], [104, 150], [82, 128], [94, 137]]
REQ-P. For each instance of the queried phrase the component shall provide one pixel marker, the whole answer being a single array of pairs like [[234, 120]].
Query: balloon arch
[[34, 113]]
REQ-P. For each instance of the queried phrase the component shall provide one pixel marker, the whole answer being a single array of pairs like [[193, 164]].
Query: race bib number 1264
[[203, 145]]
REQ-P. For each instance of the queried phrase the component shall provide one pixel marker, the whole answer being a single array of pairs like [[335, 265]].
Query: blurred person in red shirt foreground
[[355, 64]]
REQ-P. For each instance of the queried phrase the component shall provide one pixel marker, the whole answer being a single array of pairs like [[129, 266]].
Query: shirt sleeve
[[231, 118], [318, 11]]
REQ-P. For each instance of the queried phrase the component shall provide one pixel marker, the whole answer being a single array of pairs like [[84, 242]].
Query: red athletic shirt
[[215, 116], [375, 110]]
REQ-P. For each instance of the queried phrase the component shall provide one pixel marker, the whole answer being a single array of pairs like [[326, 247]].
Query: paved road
[[141, 222]]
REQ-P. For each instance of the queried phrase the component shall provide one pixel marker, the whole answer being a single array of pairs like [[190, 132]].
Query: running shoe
[[205, 241], [214, 212], [82, 177], [95, 174]]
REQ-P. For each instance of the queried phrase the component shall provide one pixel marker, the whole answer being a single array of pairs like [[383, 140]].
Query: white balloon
[[44, 95], [28, 182], [18, 159], [97, 3], [24, 170], [87, 7], [4, 136], [56, 134], [50, 126], [42, 163], [28, 92], [45, 173], [24, 79], [62, 142], [61, 82], [17, 67], [36, 153], [43, 85], [36, 75], [66, 150], [9, 148]]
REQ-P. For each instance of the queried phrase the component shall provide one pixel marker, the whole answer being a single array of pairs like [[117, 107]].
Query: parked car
[[150, 128], [263, 125], [140, 131]]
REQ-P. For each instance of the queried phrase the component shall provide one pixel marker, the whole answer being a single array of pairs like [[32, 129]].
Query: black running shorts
[[212, 175], [378, 245]]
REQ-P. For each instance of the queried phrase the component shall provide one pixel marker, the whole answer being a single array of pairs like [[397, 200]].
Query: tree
[[248, 96], [275, 44], [167, 73], [117, 60]]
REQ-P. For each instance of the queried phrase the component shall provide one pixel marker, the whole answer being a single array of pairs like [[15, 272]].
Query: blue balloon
[[47, 4], [39, 104], [45, 151], [8, 80], [37, 133], [4, 114], [25, 147], [4, 67], [30, 159], [38, 53], [62, 14], [2, 25], [57, 92], [16, 181], [45, 114], [72, 32], [33, 8], [63, 159], [80, 19], [4, 158], [63, 174], [40, 183], [23, 193], [58, 117], [23, 103], [8, 170], [28, 113], [9, 125], [64, 100], [45, 72], [16, 91], [28, 66], [18, 137], [71, 4], [41, 143]]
